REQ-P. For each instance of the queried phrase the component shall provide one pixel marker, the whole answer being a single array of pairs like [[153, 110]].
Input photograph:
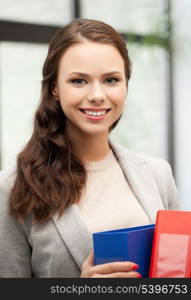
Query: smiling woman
[[71, 180], [90, 98]]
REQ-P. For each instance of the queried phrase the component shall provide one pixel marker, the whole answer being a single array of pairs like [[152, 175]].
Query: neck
[[91, 148]]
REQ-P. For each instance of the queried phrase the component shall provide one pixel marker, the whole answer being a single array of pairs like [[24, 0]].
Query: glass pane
[[181, 24], [143, 16], [144, 125], [56, 12], [20, 90]]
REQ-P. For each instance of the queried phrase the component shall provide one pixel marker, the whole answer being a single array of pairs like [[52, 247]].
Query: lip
[[95, 118], [94, 108]]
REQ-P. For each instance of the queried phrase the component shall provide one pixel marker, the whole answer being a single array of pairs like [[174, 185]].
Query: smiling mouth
[[95, 113]]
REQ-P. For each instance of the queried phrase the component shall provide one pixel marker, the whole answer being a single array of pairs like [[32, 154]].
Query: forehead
[[91, 55]]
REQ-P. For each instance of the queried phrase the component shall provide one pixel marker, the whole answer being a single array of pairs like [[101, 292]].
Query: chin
[[94, 132]]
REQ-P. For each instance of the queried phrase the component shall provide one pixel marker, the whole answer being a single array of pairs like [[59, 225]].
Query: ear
[[55, 93]]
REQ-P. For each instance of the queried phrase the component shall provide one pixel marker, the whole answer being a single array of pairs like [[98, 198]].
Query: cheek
[[118, 96], [70, 97]]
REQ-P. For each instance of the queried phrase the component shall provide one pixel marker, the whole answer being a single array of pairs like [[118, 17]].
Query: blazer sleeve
[[173, 196], [15, 251], [162, 173]]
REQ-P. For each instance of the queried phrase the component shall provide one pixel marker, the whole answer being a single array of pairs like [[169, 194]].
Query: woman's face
[[91, 87]]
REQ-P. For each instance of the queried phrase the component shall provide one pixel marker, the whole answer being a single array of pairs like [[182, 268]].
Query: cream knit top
[[108, 202]]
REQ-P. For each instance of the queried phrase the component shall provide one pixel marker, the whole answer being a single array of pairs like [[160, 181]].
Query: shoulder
[[6, 183], [155, 164], [158, 170], [7, 178]]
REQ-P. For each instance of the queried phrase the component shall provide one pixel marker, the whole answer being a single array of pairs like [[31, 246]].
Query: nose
[[96, 94]]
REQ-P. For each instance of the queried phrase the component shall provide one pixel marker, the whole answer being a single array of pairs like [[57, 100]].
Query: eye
[[112, 80], [78, 81]]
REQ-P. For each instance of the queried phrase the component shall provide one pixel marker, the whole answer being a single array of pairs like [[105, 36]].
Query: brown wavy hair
[[49, 177]]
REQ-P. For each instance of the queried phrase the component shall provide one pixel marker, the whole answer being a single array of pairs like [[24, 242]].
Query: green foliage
[[147, 40]]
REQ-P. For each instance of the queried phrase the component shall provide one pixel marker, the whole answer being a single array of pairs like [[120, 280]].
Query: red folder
[[171, 250]]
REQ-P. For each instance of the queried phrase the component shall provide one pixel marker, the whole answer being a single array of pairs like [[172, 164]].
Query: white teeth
[[95, 113]]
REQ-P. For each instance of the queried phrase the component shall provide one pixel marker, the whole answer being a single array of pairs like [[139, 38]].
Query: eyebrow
[[84, 74]]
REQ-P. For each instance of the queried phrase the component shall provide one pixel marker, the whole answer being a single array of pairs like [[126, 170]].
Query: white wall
[[21, 68]]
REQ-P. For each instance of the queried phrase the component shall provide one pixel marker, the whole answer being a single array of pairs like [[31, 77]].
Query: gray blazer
[[59, 248]]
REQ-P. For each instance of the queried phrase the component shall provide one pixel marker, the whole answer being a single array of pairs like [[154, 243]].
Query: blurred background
[[157, 117]]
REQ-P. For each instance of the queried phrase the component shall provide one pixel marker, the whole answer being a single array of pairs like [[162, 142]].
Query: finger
[[119, 275], [115, 267]]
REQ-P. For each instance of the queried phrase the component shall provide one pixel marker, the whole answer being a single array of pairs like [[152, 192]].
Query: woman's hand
[[109, 270]]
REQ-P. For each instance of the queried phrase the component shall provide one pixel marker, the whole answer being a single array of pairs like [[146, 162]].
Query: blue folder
[[129, 244]]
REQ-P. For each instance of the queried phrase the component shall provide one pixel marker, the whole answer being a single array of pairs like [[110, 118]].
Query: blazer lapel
[[74, 233], [140, 180]]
